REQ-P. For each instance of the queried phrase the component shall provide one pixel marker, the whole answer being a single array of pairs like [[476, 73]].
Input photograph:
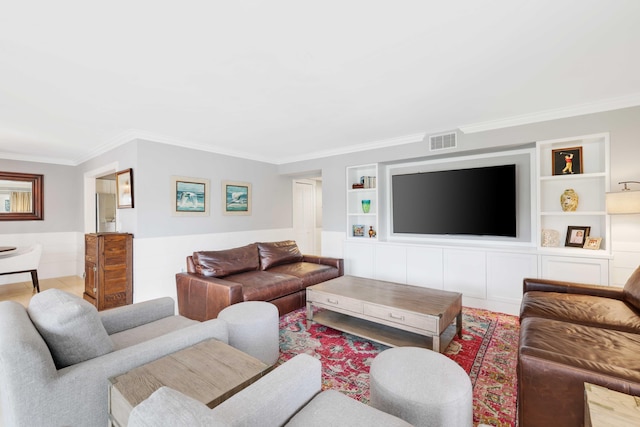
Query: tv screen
[[477, 201]]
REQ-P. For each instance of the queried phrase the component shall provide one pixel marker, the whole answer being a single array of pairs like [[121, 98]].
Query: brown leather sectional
[[275, 271], [572, 333]]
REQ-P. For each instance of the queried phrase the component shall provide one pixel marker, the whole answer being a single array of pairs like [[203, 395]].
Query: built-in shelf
[[359, 222]]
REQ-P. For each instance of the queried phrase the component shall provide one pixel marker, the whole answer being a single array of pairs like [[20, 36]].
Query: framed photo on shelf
[[576, 236], [566, 161], [124, 188], [358, 230], [236, 198], [592, 243], [189, 196]]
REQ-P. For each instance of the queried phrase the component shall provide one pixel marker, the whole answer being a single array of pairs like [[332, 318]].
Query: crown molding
[[632, 100], [383, 143], [36, 159]]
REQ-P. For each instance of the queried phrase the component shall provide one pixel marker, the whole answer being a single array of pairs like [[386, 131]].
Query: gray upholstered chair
[[56, 356], [289, 395]]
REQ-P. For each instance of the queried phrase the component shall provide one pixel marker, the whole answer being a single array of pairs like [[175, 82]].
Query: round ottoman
[[422, 387], [253, 328]]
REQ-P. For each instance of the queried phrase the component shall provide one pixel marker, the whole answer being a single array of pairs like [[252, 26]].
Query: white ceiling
[[281, 81]]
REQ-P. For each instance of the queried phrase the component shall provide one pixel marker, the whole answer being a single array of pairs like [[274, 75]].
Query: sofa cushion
[[265, 286], [277, 253], [70, 326], [631, 289], [583, 309], [311, 274], [226, 262]]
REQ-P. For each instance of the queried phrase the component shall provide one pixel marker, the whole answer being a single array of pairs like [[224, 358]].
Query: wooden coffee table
[[210, 372], [385, 312]]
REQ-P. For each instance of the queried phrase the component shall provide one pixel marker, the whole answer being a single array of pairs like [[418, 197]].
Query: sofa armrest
[[201, 298], [169, 407], [131, 316], [276, 397], [333, 262], [545, 285]]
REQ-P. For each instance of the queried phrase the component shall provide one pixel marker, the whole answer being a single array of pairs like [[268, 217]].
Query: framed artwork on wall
[[566, 161], [124, 188], [576, 236], [236, 198], [189, 196]]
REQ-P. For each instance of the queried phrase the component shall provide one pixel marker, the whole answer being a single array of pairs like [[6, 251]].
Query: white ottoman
[[422, 387], [253, 328]]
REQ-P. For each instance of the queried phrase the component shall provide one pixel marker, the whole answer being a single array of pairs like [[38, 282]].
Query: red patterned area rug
[[487, 351]]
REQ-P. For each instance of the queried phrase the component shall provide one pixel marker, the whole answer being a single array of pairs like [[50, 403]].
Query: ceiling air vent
[[442, 142]]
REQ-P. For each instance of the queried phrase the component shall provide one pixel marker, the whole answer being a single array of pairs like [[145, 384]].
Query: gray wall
[[623, 126], [271, 201], [62, 199]]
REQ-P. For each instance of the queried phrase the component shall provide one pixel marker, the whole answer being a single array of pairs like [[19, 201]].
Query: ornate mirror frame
[[37, 197]]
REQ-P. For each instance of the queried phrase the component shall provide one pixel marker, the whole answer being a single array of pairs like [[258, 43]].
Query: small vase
[[569, 200], [366, 205]]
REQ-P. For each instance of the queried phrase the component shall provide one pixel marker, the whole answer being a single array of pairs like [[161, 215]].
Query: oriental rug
[[487, 351]]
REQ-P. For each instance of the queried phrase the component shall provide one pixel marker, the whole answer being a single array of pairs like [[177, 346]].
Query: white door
[[304, 215]]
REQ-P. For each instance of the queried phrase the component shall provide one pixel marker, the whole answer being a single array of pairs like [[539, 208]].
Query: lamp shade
[[624, 202]]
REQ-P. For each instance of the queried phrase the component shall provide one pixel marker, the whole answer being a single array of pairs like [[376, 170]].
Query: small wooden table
[[608, 408], [210, 372], [389, 313]]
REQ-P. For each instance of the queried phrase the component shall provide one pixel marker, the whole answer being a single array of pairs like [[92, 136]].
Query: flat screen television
[[476, 201]]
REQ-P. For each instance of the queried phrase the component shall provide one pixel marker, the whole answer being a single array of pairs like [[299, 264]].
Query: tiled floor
[[23, 291]]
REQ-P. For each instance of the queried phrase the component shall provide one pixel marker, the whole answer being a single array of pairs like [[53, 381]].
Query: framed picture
[[358, 230], [566, 161], [576, 236], [124, 188], [236, 198], [189, 196], [592, 243]]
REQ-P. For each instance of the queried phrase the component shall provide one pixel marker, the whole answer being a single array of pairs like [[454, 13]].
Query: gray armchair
[[289, 395], [48, 373]]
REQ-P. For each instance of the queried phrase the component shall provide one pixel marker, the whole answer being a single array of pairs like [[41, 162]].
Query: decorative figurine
[[372, 232]]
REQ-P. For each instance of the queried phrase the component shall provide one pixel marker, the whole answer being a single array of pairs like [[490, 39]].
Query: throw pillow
[[226, 262], [70, 326], [277, 253]]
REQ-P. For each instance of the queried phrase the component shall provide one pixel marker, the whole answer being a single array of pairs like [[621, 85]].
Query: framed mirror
[[21, 196]]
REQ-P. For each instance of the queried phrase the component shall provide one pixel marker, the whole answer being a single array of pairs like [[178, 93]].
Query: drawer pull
[[396, 317], [332, 301]]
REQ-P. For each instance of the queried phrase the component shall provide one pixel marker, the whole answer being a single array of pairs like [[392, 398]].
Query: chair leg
[[34, 279]]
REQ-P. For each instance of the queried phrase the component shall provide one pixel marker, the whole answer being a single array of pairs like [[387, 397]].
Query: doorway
[[307, 214], [106, 203], [90, 199]]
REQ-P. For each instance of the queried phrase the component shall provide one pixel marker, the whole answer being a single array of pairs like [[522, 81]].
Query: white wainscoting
[[61, 253]]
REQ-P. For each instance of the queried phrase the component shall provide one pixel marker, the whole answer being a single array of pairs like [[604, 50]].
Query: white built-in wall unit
[[591, 184], [488, 270], [362, 202]]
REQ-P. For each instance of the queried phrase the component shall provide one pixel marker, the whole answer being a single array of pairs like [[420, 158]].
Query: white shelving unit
[[356, 217], [590, 185]]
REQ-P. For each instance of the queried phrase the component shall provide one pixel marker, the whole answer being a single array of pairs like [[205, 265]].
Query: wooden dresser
[[108, 269]]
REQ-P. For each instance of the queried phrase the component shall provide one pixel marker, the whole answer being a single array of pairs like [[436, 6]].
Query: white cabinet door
[[582, 270], [391, 263], [424, 267], [505, 272], [465, 272], [358, 259]]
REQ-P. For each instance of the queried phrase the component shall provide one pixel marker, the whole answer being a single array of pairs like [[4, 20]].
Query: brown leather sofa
[[276, 272], [572, 333]]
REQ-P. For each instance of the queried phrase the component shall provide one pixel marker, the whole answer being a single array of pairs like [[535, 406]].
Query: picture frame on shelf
[[358, 230], [592, 243], [189, 196], [124, 189], [236, 198], [566, 161], [576, 236]]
